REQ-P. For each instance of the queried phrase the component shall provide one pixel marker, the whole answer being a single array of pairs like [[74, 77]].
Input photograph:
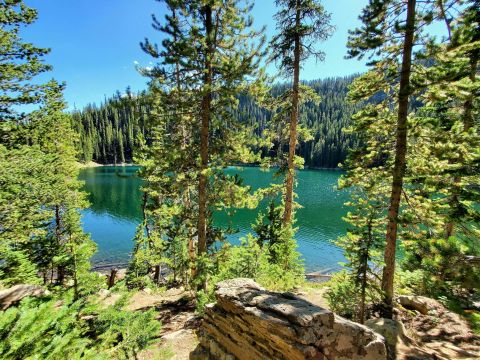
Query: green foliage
[[444, 265], [204, 298], [17, 269], [40, 196], [41, 233], [147, 253], [344, 296], [414, 282], [269, 257], [443, 202], [122, 334], [43, 330], [421, 163], [53, 329], [182, 166], [20, 62]]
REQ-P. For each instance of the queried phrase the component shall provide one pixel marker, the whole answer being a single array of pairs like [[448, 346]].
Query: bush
[[124, 333], [57, 329], [342, 295], [442, 263], [411, 282], [250, 260]]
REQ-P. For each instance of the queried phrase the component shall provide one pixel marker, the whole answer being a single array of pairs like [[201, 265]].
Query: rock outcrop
[[248, 322], [16, 293]]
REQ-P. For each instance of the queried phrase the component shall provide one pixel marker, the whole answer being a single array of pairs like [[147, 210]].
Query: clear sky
[[96, 42]]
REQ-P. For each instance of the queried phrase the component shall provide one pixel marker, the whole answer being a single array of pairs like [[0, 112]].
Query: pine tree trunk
[[364, 275], [287, 215], [156, 276], [111, 278], [58, 237], [186, 198], [363, 296], [205, 128], [400, 161]]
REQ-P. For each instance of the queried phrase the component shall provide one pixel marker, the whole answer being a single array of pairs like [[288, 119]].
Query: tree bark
[[111, 278], [287, 215], [400, 161], [156, 275], [58, 237], [204, 133]]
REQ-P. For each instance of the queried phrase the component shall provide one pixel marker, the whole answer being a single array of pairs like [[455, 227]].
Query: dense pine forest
[[109, 133], [407, 132]]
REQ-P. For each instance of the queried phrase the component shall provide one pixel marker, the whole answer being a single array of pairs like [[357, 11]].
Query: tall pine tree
[[390, 31], [300, 25]]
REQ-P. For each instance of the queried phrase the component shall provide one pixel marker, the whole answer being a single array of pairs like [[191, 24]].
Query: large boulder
[[249, 322]]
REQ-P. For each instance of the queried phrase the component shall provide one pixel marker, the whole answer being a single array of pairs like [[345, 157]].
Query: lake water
[[115, 197]]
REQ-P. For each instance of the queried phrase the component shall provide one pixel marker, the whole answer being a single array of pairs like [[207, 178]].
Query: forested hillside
[[410, 125], [108, 133]]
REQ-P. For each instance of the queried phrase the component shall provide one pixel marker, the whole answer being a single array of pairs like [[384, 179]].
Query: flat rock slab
[[249, 322]]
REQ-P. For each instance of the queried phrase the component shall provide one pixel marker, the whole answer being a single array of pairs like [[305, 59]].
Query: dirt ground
[[441, 333], [438, 335]]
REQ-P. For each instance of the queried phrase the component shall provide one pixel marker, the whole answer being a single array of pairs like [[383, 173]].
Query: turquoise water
[[115, 197]]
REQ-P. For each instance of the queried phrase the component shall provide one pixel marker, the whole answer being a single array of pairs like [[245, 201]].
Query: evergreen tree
[[64, 247], [300, 23], [390, 31], [195, 85], [227, 59], [20, 61], [326, 148], [167, 153], [444, 167]]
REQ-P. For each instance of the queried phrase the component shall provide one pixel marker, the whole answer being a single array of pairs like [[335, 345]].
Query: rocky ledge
[[248, 322]]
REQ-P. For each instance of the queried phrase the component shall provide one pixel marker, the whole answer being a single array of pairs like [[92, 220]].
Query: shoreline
[[93, 164], [318, 276]]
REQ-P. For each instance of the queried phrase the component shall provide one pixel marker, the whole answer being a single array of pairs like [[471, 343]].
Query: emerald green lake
[[115, 211]]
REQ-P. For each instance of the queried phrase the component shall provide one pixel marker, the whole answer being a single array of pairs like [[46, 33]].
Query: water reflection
[[114, 193]]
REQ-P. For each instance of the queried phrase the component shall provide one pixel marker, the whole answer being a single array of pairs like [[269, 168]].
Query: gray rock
[[392, 330], [248, 322], [418, 303]]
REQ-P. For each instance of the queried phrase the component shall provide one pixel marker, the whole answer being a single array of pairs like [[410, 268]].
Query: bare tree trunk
[[287, 215], [206, 115], [400, 161]]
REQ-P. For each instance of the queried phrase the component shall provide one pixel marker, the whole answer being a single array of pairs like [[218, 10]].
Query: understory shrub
[[63, 329]]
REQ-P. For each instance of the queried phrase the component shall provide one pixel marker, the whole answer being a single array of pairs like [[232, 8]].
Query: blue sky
[[96, 42]]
